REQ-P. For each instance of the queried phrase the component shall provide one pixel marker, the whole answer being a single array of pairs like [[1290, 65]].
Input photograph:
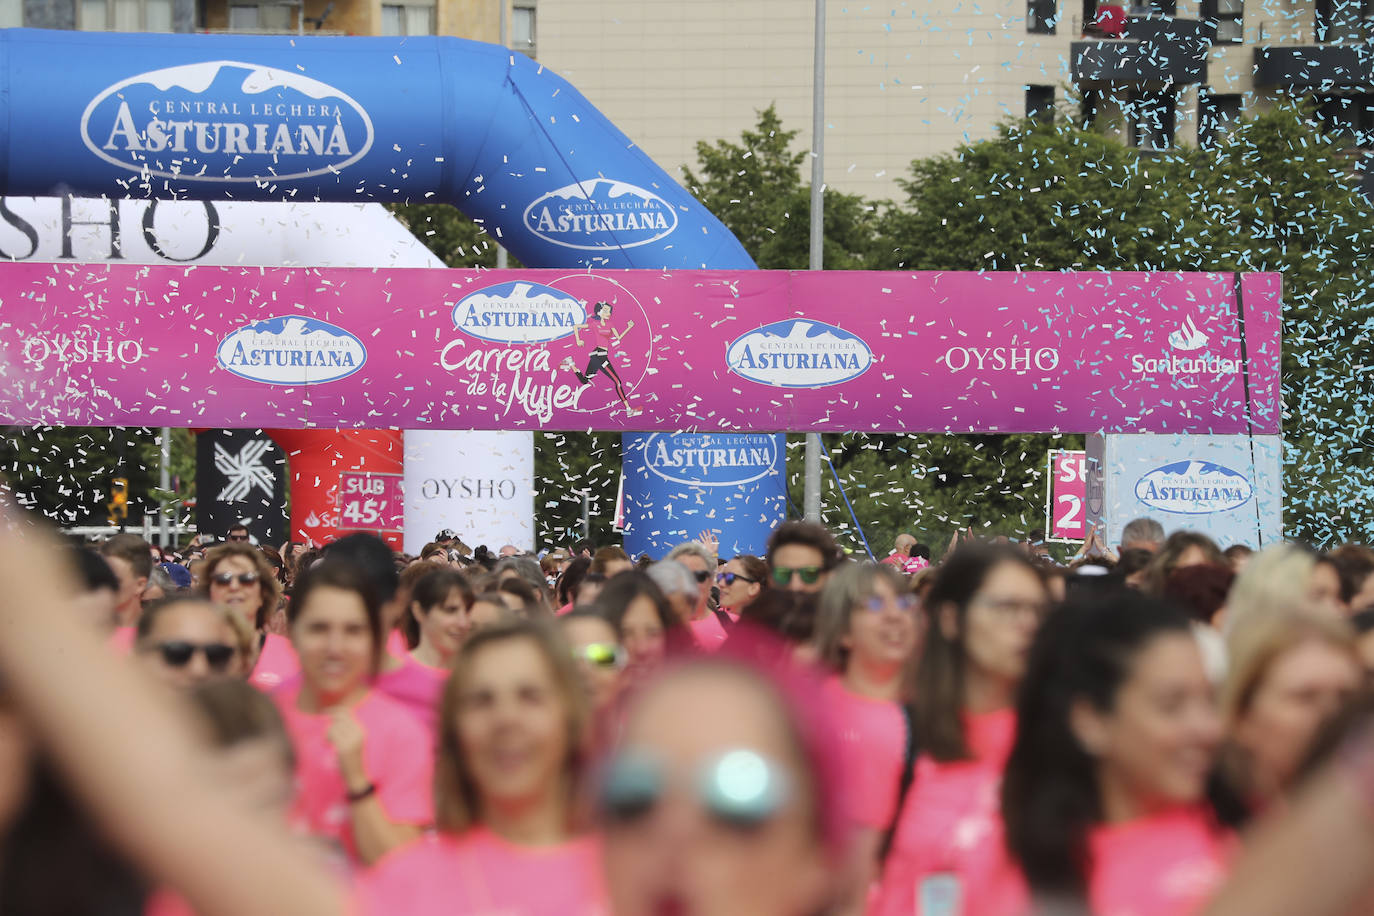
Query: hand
[[347, 735], [709, 540]]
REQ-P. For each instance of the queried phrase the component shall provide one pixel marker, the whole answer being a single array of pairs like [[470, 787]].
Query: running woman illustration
[[604, 337]]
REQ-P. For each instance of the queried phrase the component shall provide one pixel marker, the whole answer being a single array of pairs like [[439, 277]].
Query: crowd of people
[[1160, 729]]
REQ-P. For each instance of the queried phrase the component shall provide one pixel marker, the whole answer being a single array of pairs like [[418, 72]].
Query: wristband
[[366, 792]]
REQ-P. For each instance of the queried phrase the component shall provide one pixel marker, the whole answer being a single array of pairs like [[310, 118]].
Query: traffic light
[[119, 500]]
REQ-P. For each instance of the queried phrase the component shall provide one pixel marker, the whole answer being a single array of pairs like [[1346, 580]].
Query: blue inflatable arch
[[508, 142]]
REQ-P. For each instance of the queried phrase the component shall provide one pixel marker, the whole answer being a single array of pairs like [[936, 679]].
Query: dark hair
[[920, 550], [333, 573], [807, 534], [133, 550], [527, 568], [432, 589], [571, 578], [590, 578], [788, 614], [1363, 621], [93, 572], [606, 555], [1200, 590], [236, 712], [1354, 563], [531, 599], [596, 310], [1050, 794], [1131, 561], [372, 558], [1175, 546], [622, 590], [940, 679], [755, 569]]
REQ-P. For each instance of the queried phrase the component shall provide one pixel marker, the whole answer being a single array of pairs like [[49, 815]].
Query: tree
[[755, 188], [1275, 196]]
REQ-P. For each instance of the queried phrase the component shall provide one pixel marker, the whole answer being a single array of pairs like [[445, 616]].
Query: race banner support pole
[[811, 500]]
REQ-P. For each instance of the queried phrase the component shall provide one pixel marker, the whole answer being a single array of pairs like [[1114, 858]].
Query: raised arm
[[130, 753]]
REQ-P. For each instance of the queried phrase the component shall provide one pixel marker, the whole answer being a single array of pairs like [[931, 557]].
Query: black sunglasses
[[728, 578], [225, 578], [237, 537], [178, 654], [701, 575]]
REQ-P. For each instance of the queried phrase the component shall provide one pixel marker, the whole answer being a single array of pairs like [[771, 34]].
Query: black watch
[[366, 792]]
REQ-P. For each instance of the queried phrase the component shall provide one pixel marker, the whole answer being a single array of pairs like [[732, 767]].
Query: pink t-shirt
[[277, 663], [479, 874], [1167, 864], [396, 644], [872, 750], [950, 829], [417, 687], [122, 639], [397, 754], [708, 632]]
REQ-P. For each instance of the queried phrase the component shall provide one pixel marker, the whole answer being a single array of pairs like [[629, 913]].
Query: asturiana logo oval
[[291, 350], [519, 313], [226, 121], [711, 459], [600, 213], [1194, 487], [799, 353]]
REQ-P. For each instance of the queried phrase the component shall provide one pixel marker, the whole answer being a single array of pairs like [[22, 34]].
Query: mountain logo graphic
[[226, 121], [1187, 337], [291, 350], [600, 213], [799, 353]]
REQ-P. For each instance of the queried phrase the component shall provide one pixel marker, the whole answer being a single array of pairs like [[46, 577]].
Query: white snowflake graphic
[[244, 471]]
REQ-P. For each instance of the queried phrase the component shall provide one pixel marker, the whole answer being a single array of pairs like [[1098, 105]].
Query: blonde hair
[[1255, 648], [1273, 583], [457, 805]]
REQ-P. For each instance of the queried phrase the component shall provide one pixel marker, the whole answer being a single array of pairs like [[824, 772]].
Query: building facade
[[915, 79]]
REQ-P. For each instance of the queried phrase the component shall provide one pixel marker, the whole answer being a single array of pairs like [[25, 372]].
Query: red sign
[[370, 502], [1065, 518]]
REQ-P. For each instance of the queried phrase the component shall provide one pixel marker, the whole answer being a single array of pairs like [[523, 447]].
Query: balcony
[[1153, 50], [1337, 55]]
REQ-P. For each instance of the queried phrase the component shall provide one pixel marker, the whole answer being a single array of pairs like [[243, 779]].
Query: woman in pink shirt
[[984, 608], [510, 761], [1104, 793], [867, 630], [364, 763], [239, 577], [644, 622], [741, 580], [439, 602]]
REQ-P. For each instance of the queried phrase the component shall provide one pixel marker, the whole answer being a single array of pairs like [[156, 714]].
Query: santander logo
[[1188, 337]]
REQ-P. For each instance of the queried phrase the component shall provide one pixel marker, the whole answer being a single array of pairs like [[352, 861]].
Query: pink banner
[[639, 350], [371, 502], [1068, 493]]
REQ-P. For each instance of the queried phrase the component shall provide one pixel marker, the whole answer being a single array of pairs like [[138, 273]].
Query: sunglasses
[[225, 578], [905, 603], [601, 655], [237, 537], [701, 575], [729, 578], [782, 575], [179, 654], [739, 789]]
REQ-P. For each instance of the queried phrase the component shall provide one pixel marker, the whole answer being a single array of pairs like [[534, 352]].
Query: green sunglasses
[[601, 655], [782, 575]]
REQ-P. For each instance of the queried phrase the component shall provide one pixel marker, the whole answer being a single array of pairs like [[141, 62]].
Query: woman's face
[[1302, 687], [1002, 619], [1158, 742], [883, 629], [674, 855], [334, 642], [641, 633], [190, 644], [739, 593], [512, 725], [445, 625], [602, 679], [240, 596], [603, 311]]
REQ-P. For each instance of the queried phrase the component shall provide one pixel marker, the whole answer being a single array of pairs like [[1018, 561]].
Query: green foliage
[[455, 239], [1275, 196], [755, 188]]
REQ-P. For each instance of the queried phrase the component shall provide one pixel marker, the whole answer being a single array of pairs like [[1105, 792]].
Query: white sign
[[480, 484]]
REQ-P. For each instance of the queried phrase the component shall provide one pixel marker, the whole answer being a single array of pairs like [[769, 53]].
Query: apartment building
[[913, 78]]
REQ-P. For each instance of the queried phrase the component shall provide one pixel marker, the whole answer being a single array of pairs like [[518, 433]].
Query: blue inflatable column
[[679, 484]]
